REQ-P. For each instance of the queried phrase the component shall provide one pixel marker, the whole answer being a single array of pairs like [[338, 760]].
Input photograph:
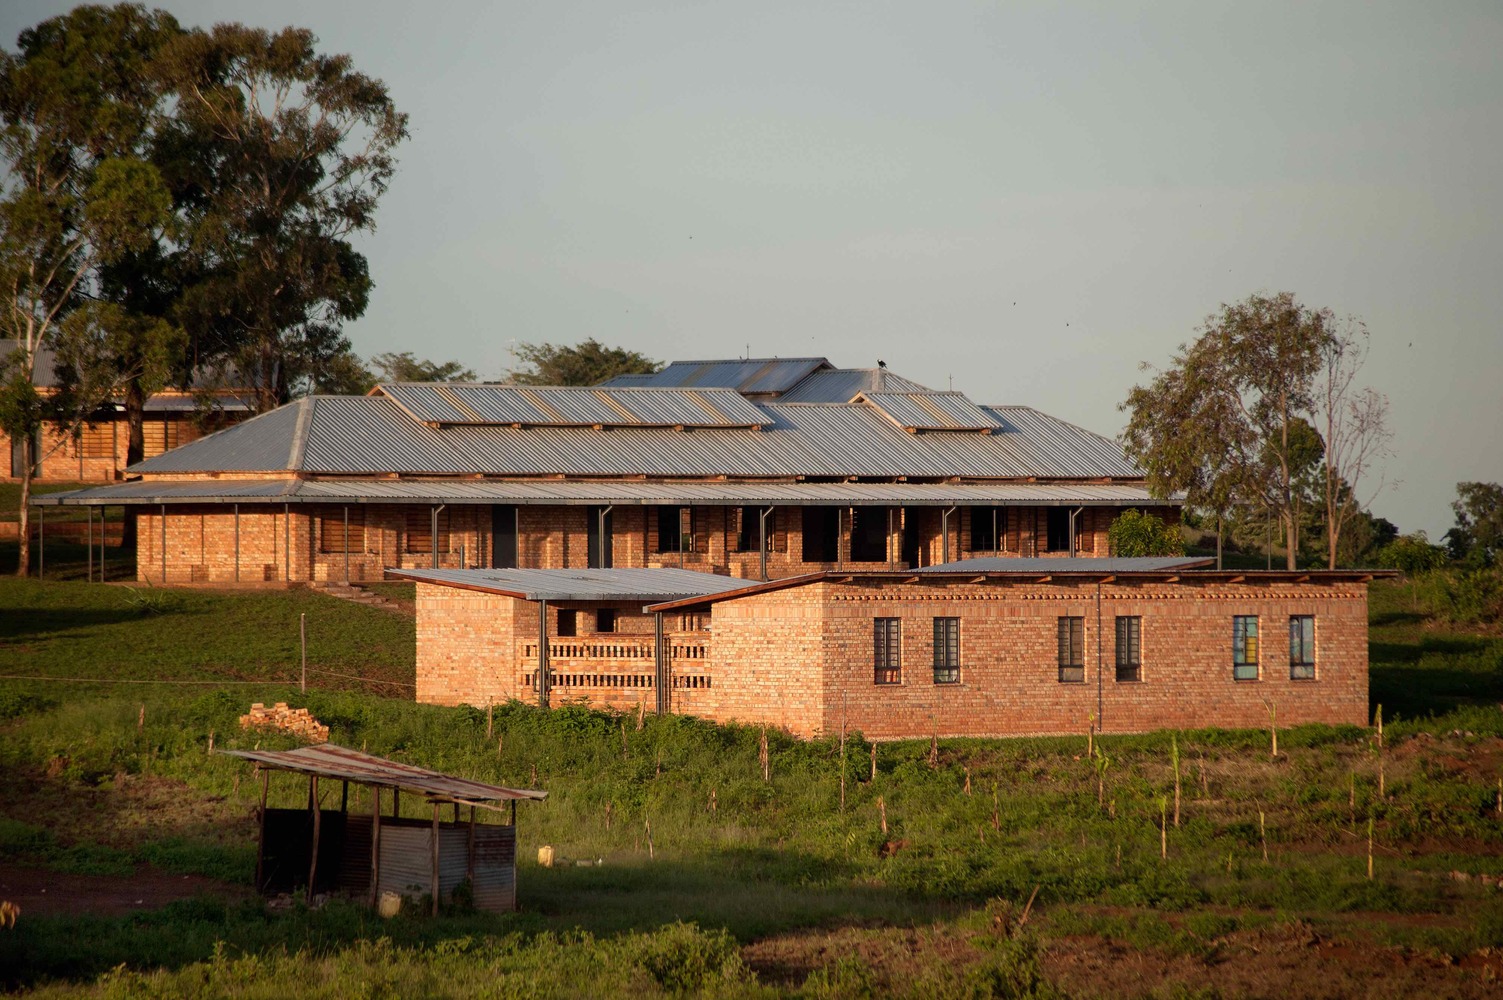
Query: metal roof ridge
[[299, 444]]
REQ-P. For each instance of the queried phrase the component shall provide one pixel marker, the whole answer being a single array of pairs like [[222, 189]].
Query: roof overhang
[[565, 585], [327, 760]]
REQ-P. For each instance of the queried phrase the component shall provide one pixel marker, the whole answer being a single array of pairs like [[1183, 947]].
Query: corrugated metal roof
[[579, 584], [541, 406], [932, 411], [1135, 564], [840, 385], [328, 760], [372, 435], [750, 375], [625, 493]]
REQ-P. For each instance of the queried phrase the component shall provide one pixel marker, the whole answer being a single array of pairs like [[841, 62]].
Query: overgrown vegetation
[[996, 854]]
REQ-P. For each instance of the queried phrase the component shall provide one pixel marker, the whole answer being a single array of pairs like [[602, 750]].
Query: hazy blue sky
[[1028, 199]]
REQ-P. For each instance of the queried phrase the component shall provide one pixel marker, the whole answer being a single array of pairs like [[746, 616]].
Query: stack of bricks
[[297, 721]]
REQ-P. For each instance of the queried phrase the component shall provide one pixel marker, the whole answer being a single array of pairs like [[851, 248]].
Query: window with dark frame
[[673, 534], [887, 652], [869, 534], [750, 531], [568, 623], [821, 534], [1245, 647], [331, 534], [1302, 647], [1129, 648], [605, 620], [1071, 649], [1057, 535], [947, 650], [988, 528]]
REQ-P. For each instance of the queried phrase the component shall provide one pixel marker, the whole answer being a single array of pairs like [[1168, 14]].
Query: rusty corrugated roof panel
[[328, 760]]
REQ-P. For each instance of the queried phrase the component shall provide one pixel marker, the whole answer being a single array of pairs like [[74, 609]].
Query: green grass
[[768, 860]]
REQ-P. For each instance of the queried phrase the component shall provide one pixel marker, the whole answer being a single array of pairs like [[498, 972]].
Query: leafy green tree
[[1135, 533], [1478, 534], [284, 153], [76, 195], [403, 367], [587, 363], [1411, 554], [1221, 424]]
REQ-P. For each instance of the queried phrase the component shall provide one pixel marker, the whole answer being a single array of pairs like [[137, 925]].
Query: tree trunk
[[135, 449], [1291, 540], [28, 458]]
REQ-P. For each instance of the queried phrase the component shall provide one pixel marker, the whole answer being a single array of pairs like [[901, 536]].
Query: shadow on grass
[[35, 623], [749, 893]]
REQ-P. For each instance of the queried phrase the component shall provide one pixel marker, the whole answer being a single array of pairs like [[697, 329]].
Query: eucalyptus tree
[[587, 363], [76, 106], [281, 154]]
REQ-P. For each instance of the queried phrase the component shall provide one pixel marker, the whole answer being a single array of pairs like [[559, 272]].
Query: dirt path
[[41, 892]]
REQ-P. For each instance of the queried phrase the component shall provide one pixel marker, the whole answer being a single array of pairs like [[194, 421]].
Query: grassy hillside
[[713, 881]]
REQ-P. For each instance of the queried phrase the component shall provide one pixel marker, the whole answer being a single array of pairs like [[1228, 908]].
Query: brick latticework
[[801, 657]]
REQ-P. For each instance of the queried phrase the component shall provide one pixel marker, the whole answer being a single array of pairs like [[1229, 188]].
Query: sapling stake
[[1164, 826], [763, 758], [1263, 834], [211, 741], [874, 761], [490, 719], [623, 740], [1498, 802], [1174, 755], [641, 715], [842, 752], [1090, 735], [996, 816], [714, 808], [1273, 726], [1369, 847], [882, 811], [647, 823], [967, 788], [1378, 749], [934, 746], [141, 719], [1351, 803]]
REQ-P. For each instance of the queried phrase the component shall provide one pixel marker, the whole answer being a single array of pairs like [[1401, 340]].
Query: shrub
[[1135, 533], [1411, 554]]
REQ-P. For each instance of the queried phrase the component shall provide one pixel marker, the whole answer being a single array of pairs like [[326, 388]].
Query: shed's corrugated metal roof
[[579, 584], [750, 375], [625, 493], [330, 761]]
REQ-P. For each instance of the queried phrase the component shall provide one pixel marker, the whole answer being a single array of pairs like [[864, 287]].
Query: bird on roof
[[881, 363]]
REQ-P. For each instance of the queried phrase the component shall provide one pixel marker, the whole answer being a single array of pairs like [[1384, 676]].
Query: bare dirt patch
[[41, 892]]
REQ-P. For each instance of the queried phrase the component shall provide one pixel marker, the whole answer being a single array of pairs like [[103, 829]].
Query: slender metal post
[[890, 556], [944, 530], [543, 678], [765, 514], [261, 833], [286, 543], [164, 543]]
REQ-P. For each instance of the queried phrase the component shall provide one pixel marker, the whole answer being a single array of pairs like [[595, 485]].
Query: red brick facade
[[201, 540], [801, 657]]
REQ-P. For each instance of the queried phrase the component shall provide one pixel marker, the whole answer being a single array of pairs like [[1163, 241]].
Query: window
[[1071, 650], [675, 529], [96, 441], [947, 650], [821, 534], [598, 547], [420, 530], [504, 536], [750, 531], [1302, 648], [568, 622], [605, 620], [988, 528], [331, 533], [158, 436], [887, 654], [1245, 647], [1129, 648], [869, 534], [1057, 537]]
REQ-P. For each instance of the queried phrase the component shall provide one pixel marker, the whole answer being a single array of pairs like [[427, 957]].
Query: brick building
[[986, 647], [97, 454], [756, 469]]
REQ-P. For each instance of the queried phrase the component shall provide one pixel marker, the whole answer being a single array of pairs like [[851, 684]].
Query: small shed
[[373, 853]]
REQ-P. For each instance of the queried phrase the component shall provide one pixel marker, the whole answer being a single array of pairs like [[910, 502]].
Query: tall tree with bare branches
[[1353, 419]]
